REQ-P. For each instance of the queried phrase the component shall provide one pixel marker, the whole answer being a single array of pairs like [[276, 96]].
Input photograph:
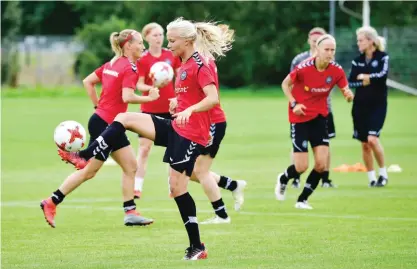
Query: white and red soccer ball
[[161, 74], [70, 136]]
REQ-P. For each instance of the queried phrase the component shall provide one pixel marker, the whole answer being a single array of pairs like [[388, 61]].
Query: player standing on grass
[[307, 88], [313, 35], [369, 76], [188, 133], [153, 33], [118, 78]]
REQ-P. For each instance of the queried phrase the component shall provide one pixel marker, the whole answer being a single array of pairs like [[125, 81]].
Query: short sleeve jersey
[[114, 77], [312, 87], [160, 105], [217, 114], [192, 77]]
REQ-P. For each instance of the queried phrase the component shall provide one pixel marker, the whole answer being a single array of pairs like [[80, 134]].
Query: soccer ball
[[161, 74], [70, 136]]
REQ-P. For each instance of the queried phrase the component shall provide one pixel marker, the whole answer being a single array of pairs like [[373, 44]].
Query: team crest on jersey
[[183, 75], [329, 79], [306, 88], [168, 61], [374, 63]]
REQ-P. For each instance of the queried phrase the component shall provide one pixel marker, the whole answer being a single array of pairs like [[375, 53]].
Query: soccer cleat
[[217, 220], [296, 183], [372, 184], [303, 205], [134, 219], [328, 184], [238, 194], [382, 181], [49, 211], [192, 253], [73, 158], [280, 188], [137, 194]]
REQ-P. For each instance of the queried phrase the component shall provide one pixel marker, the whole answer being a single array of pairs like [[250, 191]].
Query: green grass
[[351, 227]]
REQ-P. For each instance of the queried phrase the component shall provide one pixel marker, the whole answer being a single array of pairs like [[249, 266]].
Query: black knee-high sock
[[188, 213], [220, 208], [105, 140], [311, 184], [57, 197], [325, 176], [227, 183], [129, 205], [289, 174]]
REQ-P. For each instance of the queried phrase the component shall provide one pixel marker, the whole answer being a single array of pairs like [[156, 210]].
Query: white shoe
[[238, 194], [217, 220], [303, 205], [280, 189]]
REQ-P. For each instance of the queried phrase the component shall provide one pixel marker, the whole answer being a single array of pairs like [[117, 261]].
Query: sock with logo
[[188, 213], [57, 197], [311, 183], [227, 183]]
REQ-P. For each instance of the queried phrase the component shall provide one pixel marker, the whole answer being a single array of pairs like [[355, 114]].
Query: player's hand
[[348, 94], [153, 94], [299, 109], [183, 117], [365, 79], [173, 103]]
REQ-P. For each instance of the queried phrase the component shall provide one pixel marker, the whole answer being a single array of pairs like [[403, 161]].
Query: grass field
[[350, 227]]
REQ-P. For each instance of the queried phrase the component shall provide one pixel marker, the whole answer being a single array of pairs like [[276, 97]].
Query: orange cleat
[[49, 211], [73, 158]]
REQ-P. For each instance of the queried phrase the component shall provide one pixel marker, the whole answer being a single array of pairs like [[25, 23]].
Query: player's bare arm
[[130, 97], [89, 84]]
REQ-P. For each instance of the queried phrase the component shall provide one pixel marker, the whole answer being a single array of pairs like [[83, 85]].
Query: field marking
[[32, 204]]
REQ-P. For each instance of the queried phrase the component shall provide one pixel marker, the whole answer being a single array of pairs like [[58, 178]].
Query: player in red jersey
[[307, 88], [118, 78], [188, 133], [153, 33]]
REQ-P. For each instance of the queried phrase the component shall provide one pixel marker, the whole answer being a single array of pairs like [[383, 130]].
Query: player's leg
[[144, 149], [326, 181], [299, 137], [297, 181]]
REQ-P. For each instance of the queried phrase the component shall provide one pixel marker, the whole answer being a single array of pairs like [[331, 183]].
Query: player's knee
[[144, 150], [122, 118], [372, 140], [366, 147], [89, 173], [320, 166], [301, 167]]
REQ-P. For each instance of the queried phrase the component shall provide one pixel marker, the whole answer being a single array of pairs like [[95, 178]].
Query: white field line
[[32, 204]]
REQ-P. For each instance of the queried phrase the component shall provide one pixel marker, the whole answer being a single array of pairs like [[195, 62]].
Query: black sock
[[188, 213], [325, 176], [57, 197], [129, 205], [219, 208], [105, 140], [227, 183], [289, 174], [311, 184]]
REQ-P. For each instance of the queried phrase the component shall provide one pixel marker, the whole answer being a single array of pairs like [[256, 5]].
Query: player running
[[118, 78], [369, 76], [307, 88]]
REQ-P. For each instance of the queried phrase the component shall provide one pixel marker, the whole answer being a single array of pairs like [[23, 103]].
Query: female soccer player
[[188, 133], [369, 76], [118, 78], [153, 33], [307, 88]]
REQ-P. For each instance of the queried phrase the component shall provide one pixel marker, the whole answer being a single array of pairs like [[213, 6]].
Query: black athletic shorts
[[167, 116], [331, 130], [96, 126], [217, 133], [313, 131], [181, 153], [368, 119]]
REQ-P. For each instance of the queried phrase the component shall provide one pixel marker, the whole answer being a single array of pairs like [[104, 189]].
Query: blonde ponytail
[[117, 41], [380, 44]]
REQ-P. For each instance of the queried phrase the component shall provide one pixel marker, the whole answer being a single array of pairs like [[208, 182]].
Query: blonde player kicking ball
[[307, 88]]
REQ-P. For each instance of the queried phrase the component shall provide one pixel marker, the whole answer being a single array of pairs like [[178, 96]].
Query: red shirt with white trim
[[312, 87], [217, 114], [192, 77], [122, 74], [160, 105]]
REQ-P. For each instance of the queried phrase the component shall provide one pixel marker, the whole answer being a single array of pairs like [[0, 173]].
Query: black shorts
[[96, 126], [181, 153], [331, 130], [217, 133], [167, 116], [313, 131], [368, 120]]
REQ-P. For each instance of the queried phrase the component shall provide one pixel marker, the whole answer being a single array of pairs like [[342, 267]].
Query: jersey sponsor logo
[[329, 79], [111, 73], [374, 63], [168, 61], [183, 75], [306, 88], [181, 89], [320, 89], [361, 64]]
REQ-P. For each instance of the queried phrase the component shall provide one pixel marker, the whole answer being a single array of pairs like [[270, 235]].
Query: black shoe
[[372, 184], [296, 183], [382, 181], [328, 184], [193, 253]]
